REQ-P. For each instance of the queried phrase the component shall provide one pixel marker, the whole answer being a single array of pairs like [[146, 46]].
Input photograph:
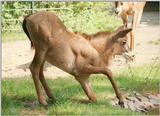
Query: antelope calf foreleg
[[44, 83], [97, 70], [35, 70], [87, 88]]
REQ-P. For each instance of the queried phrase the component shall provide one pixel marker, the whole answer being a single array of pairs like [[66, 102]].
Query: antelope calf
[[134, 9], [71, 52]]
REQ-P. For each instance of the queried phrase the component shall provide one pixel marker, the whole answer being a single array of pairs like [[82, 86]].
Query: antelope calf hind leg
[[44, 83], [35, 70], [87, 87]]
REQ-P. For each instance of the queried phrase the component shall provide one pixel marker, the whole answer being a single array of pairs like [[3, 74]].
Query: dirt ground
[[16, 56]]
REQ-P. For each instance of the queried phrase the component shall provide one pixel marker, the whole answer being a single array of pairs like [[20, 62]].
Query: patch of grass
[[157, 42], [141, 78], [18, 92], [13, 36]]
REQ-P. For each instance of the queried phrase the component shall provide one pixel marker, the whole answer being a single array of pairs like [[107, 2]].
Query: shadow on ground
[[26, 66]]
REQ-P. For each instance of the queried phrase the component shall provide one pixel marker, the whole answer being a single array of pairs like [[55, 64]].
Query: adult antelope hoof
[[121, 103]]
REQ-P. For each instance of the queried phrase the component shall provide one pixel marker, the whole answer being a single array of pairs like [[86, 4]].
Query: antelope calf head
[[78, 54], [120, 44], [120, 41], [110, 44]]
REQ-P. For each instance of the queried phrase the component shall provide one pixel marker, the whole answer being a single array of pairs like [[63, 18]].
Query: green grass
[[16, 93], [141, 77]]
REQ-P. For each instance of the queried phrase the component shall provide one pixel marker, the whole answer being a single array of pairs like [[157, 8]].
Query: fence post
[[32, 6], [0, 50]]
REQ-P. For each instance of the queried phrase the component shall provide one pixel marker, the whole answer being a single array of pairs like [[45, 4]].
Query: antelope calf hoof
[[121, 103], [43, 102], [93, 100], [51, 100]]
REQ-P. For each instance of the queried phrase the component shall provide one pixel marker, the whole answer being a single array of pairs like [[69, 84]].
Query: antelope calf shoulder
[[71, 52]]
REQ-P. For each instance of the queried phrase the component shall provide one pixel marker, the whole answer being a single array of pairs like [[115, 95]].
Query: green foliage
[[88, 17], [12, 16]]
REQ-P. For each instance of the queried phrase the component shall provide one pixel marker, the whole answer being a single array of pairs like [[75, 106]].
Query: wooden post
[[32, 6]]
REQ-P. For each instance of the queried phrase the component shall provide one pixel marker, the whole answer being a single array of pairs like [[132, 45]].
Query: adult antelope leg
[[139, 16], [136, 18], [35, 70], [125, 20], [97, 70], [132, 37], [44, 83], [87, 87]]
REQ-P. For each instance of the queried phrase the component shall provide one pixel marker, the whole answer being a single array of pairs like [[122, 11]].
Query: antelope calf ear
[[121, 33]]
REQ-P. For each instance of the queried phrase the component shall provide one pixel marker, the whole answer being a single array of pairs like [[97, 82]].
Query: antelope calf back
[[73, 53]]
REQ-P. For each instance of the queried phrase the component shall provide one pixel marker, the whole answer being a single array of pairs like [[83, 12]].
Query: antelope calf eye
[[121, 3], [124, 42]]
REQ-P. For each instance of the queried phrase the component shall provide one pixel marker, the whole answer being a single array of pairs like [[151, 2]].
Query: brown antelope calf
[[72, 53], [134, 9]]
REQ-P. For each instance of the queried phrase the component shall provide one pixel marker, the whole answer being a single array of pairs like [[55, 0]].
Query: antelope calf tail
[[26, 31]]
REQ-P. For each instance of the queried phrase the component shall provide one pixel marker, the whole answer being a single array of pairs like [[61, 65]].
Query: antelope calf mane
[[94, 35]]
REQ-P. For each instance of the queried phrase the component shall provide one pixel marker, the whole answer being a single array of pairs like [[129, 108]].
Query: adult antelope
[[72, 53], [134, 9]]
